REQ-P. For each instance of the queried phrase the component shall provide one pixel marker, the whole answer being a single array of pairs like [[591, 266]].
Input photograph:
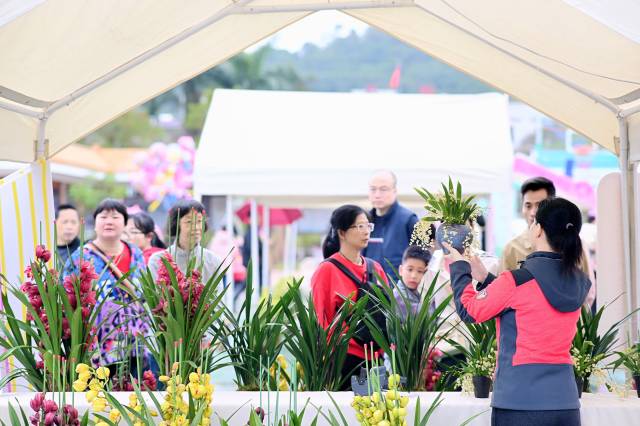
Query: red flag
[[394, 81]]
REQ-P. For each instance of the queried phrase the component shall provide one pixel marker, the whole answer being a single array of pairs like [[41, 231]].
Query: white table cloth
[[597, 409]]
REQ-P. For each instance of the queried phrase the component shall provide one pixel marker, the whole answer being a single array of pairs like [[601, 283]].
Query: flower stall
[[285, 363]]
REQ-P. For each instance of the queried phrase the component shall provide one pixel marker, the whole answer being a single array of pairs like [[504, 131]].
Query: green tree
[[133, 129], [88, 193], [243, 71]]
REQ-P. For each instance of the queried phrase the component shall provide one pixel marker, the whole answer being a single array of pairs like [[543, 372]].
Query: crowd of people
[[536, 298], [123, 247], [535, 291]]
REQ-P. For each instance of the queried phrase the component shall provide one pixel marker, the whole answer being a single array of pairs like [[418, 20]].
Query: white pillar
[[610, 252], [255, 275], [294, 246], [627, 170], [266, 241], [635, 200], [290, 248], [230, 290]]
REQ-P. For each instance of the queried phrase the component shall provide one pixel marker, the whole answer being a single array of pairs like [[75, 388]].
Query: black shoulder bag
[[362, 333]]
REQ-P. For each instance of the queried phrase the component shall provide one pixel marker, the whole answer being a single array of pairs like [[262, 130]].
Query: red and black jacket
[[536, 309]]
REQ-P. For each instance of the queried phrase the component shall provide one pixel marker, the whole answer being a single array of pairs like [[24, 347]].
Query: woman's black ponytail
[[342, 219], [144, 223], [561, 221]]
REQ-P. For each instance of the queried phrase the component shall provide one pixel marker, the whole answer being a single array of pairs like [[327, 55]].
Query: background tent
[[307, 149]]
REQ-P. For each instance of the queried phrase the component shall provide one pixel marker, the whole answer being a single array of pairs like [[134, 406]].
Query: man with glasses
[[393, 223]]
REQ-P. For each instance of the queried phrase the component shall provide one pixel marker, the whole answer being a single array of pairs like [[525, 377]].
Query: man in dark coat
[[393, 223]]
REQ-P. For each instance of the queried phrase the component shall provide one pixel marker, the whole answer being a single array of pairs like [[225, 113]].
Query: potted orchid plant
[[59, 328], [630, 359], [454, 211]]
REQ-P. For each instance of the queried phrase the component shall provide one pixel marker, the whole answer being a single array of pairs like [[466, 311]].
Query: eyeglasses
[[133, 232], [382, 189], [363, 227]]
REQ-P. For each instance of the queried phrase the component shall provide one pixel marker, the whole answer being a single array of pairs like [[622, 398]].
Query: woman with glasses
[[140, 230], [345, 273]]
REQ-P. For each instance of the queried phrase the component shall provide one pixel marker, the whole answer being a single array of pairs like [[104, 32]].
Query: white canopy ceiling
[[302, 148], [75, 65]]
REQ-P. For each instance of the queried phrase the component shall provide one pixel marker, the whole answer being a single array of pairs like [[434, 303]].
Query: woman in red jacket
[[536, 309], [348, 235]]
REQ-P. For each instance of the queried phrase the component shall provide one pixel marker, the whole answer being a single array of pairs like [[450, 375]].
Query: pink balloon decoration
[[165, 170]]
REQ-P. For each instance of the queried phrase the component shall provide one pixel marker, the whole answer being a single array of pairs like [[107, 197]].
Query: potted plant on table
[[58, 329], [588, 341], [630, 359], [584, 363], [455, 212], [480, 354]]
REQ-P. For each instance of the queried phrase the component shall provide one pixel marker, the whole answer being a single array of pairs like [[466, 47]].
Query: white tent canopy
[[69, 67], [306, 148]]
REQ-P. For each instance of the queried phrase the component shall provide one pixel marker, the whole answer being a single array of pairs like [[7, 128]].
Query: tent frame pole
[[315, 7], [627, 194], [255, 260], [630, 111], [20, 110], [230, 296], [41, 143], [266, 235]]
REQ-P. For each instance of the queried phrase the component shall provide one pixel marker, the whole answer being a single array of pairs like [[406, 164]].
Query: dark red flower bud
[[42, 253], [36, 402]]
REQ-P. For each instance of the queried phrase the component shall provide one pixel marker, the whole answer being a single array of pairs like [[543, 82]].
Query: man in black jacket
[[67, 231], [393, 223]]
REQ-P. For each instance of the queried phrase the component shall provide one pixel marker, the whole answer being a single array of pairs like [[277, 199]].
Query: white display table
[[597, 409]]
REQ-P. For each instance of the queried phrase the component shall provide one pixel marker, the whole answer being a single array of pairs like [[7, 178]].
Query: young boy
[[415, 261]]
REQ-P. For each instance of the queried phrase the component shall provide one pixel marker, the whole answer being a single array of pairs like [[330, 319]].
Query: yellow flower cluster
[[281, 364], [382, 408], [95, 380], [136, 406], [175, 409]]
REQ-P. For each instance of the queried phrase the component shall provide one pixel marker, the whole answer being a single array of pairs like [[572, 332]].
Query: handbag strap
[[112, 266], [361, 284]]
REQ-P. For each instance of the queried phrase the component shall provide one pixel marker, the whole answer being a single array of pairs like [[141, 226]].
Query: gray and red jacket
[[536, 309]]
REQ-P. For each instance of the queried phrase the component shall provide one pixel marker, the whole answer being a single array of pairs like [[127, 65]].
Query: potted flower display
[[630, 358], [584, 363], [477, 371], [455, 212]]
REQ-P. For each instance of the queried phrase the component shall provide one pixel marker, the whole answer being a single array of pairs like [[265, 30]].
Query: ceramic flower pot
[[579, 384], [636, 378], [481, 386], [459, 236]]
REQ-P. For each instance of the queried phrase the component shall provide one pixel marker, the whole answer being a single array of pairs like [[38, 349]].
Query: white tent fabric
[[310, 149], [307, 148], [70, 66]]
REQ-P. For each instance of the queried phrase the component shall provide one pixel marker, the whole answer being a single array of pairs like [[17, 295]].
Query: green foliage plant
[[180, 327], [44, 335], [588, 341], [451, 206], [480, 350], [319, 351], [630, 359], [414, 336], [252, 338]]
